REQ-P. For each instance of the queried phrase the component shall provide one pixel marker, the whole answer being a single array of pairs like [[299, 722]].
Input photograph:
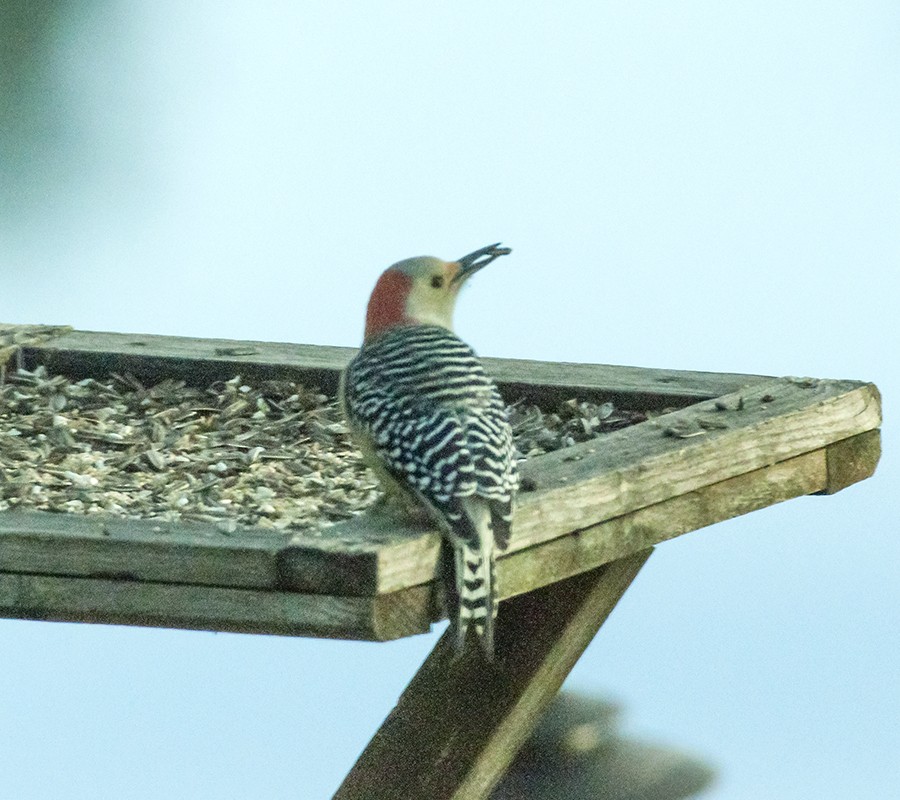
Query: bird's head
[[423, 290]]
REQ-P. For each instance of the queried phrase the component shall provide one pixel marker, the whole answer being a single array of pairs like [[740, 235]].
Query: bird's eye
[[437, 281]]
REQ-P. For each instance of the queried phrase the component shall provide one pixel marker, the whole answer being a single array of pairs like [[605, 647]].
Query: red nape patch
[[387, 305]]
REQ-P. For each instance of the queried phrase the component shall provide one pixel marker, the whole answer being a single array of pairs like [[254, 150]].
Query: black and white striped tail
[[476, 580]]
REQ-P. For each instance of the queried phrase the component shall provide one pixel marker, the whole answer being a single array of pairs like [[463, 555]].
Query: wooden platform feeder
[[586, 521]]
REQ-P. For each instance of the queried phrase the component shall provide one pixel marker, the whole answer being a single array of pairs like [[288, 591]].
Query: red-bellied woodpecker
[[433, 426]]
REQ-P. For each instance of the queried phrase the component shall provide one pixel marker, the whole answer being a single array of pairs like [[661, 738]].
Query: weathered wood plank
[[484, 720], [147, 550], [638, 467], [852, 460], [409, 611], [123, 602], [622, 536], [389, 616], [595, 481], [630, 533], [150, 358]]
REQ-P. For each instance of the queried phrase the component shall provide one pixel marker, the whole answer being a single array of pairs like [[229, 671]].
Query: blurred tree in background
[[31, 120]]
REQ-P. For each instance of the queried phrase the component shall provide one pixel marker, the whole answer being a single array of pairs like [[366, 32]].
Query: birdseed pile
[[273, 454]]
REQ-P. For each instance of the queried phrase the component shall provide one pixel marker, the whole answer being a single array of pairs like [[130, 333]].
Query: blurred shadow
[[576, 753]]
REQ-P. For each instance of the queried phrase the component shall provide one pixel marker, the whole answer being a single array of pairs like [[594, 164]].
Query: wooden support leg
[[460, 721]]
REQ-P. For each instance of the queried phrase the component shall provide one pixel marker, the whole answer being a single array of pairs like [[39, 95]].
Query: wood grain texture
[[380, 617], [152, 358], [852, 460], [584, 485], [145, 550], [123, 602], [460, 721], [630, 533], [621, 536], [641, 467]]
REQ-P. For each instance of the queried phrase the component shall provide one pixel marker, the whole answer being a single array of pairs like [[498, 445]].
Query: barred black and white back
[[420, 402]]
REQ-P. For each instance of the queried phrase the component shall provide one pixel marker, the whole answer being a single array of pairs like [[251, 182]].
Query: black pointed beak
[[470, 264]]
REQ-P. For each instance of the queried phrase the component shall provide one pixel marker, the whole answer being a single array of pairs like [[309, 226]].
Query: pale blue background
[[700, 185]]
